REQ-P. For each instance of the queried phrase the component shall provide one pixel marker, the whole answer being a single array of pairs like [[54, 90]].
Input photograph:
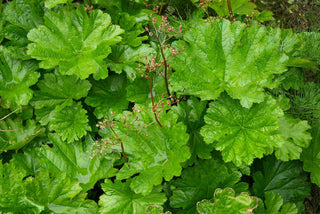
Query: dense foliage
[[138, 106]]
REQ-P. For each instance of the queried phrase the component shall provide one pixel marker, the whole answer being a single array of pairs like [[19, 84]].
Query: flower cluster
[[248, 19], [152, 65], [88, 8], [132, 122], [163, 29], [204, 4]]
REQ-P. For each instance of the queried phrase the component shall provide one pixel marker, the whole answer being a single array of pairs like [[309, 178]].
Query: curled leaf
[[225, 201]]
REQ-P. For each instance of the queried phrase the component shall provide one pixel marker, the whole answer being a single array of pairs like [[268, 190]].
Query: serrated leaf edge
[[234, 193]]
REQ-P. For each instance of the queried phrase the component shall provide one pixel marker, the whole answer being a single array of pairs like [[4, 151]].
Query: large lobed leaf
[[155, 153], [76, 161], [28, 160], [224, 56], [200, 182], [14, 134], [133, 27], [43, 193], [23, 15], [242, 134], [311, 155], [119, 198], [52, 3], [55, 106], [240, 7], [58, 194], [74, 41], [127, 59], [12, 193], [295, 138], [225, 201], [71, 123], [16, 77], [273, 204], [152, 209], [284, 178], [59, 90], [191, 113], [108, 95]]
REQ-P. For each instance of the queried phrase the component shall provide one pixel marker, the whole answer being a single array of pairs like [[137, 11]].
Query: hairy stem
[[11, 130], [161, 7], [152, 99], [230, 9], [165, 67], [121, 143], [11, 113]]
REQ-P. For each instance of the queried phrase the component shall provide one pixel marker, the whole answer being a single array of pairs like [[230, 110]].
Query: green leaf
[[295, 137], [71, 123], [75, 42], [242, 134], [155, 210], [55, 106], [282, 100], [264, 16], [2, 23], [224, 56], [240, 7], [108, 95], [311, 156], [16, 77], [45, 192], [139, 92], [119, 198], [226, 201], [126, 58], [76, 161], [133, 30], [59, 90], [24, 14], [14, 134], [12, 192], [290, 42], [191, 113], [58, 194], [284, 178], [272, 205], [154, 152], [16, 35], [28, 160], [52, 3], [201, 181], [302, 63], [293, 78]]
